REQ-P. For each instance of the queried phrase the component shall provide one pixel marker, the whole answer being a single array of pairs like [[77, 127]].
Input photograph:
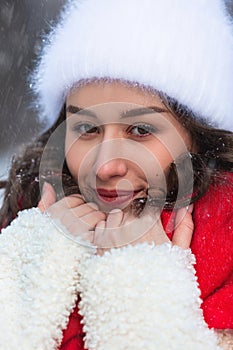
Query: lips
[[113, 193], [118, 197]]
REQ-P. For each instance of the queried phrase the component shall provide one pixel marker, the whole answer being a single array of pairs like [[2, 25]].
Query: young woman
[[135, 168]]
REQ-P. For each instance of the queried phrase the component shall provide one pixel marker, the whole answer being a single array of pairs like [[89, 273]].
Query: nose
[[110, 161], [112, 168]]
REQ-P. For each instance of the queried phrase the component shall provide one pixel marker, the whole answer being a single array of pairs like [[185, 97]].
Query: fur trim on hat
[[182, 48]]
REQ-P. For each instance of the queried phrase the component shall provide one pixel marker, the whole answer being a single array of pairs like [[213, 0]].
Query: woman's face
[[120, 142]]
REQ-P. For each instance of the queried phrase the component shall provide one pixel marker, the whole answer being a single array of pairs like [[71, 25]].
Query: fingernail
[[101, 224], [45, 187], [115, 211], [190, 208], [93, 205]]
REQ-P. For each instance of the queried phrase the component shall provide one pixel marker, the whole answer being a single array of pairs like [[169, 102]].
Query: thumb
[[48, 197], [184, 227]]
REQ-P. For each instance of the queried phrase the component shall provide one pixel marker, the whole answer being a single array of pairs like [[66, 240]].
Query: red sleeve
[[212, 245], [218, 307]]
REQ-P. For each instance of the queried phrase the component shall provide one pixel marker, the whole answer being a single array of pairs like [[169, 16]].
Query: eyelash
[[91, 129], [149, 129], [77, 129]]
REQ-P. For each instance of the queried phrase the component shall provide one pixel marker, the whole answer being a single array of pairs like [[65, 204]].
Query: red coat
[[212, 245]]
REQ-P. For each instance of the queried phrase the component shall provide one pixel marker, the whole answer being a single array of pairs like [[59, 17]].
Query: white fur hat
[[183, 48]]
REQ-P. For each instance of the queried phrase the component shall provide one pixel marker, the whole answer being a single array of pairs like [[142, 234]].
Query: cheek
[[80, 158], [169, 147], [72, 163], [162, 155], [74, 157]]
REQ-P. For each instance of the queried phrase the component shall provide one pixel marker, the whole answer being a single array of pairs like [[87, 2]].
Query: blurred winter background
[[22, 26]]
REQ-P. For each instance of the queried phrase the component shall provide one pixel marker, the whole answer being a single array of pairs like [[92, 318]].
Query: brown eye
[[141, 130], [85, 128]]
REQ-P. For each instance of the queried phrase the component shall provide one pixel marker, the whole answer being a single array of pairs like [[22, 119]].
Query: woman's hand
[[123, 228], [79, 218], [117, 228]]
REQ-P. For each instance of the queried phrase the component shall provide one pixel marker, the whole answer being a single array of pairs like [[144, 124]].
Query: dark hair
[[214, 157]]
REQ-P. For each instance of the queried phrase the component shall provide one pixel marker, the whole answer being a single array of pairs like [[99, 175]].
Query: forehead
[[102, 92], [118, 112], [108, 101]]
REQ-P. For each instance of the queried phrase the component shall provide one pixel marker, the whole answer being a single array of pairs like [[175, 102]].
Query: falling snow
[[22, 26]]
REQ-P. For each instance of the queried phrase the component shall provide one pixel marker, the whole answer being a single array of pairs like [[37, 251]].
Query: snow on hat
[[182, 48]]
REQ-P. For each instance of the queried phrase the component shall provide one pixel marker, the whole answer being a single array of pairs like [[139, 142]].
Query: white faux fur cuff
[[143, 297], [38, 282], [137, 297]]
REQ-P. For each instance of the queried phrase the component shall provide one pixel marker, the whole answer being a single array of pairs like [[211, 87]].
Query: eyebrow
[[75, 110], [142, 110], [136, 112]]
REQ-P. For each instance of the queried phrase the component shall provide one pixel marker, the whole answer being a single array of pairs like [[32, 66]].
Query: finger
[[100, 227], [99, 233], [72, 201], [105, 238], [114, 218], [131, 231], [184, 228], [85, 209], [93, 218], [88, 236], [76, 195], [154, 232], [107, 232], [48, 197]]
